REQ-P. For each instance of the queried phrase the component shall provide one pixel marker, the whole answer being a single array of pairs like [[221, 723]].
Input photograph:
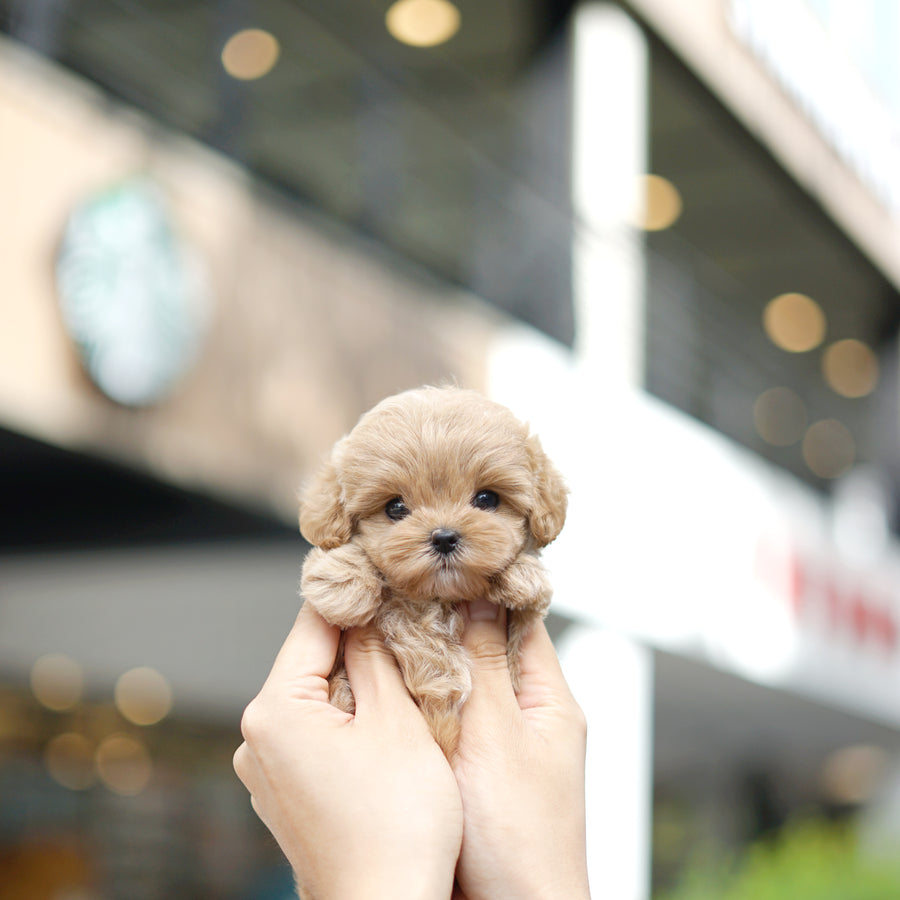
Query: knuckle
[[488, 653], [365, 641], [253, 722], [240, 763], [578, 721]]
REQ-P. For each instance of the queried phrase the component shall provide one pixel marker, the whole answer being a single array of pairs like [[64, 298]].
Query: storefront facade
[[726, 606]]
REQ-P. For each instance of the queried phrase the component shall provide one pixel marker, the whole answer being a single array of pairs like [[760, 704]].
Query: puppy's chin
[[446, 583], [403, 554]]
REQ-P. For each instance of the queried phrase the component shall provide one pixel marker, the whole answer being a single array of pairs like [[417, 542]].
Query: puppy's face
[[443, 532], [442, 489]]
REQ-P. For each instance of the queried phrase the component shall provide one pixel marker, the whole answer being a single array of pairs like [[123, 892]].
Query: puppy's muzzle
[[444, 540]]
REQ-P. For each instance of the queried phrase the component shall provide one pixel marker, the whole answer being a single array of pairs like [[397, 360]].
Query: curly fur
[[436, 449]]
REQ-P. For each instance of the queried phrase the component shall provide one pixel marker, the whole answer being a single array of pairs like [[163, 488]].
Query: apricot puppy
[[437, 496]]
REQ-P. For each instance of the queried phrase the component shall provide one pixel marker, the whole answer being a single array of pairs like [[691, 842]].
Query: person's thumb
[[484, 638], [375, 680]]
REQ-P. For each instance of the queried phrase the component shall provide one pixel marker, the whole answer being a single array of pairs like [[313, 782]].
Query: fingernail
[[482, 610]]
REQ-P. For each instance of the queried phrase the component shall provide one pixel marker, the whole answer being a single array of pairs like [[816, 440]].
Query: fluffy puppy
[[437, 496]]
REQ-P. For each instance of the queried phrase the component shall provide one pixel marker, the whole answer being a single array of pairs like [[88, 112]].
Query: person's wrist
[[560, 889], [566, 880], [533, 878], [411, 879], [391, 886], [555, 890]]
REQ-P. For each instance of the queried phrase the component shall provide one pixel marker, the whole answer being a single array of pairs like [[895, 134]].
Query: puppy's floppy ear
[[548, 512], [323, 520]]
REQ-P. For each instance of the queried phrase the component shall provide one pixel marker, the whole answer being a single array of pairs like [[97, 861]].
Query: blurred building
[[664, 232]]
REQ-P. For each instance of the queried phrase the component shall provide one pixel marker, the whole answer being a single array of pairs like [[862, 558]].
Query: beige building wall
[[307, 325]]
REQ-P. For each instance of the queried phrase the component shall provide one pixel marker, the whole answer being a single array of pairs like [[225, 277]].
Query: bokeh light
[[250, 54], [794, 322], [422, 23], [851, 775], [779, 415], [69, 759], [662, 203], [851, 368], [143, 696], [829, 448], [124, 764], [57, 681]]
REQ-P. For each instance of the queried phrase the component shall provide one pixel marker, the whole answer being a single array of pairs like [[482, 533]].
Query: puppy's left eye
[[486, 500]]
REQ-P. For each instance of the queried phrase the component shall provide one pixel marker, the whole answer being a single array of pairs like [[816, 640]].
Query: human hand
[[364, 805], [520, 771]]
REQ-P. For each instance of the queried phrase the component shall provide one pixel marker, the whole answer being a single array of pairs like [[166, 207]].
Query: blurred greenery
[[811, 860]]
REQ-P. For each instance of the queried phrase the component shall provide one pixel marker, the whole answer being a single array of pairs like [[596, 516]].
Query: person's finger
[[375, 678], [307, 656], [242, 763], [484, 638], [538, 657], [540, 673]]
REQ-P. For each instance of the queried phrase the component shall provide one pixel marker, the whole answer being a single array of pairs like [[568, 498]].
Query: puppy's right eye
[[396, 509]]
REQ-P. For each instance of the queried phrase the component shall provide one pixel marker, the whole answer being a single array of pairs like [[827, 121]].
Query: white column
[[580, 405], [612, 679], [611, 675], [609, 103], [596, 416]]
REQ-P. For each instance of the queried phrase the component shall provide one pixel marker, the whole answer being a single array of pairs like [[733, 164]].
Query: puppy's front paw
[[342, 585], [523, 585]]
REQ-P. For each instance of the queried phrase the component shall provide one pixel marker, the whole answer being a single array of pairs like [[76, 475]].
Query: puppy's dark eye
[[396, 509], [486, 500]]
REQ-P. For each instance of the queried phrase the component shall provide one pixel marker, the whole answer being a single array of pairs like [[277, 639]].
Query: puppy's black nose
[[444, 540]]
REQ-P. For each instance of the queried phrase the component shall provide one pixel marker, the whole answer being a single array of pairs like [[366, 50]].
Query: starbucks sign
[[129, 293]]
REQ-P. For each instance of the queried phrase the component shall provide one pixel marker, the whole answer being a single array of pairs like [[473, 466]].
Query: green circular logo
[[131, 296]]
